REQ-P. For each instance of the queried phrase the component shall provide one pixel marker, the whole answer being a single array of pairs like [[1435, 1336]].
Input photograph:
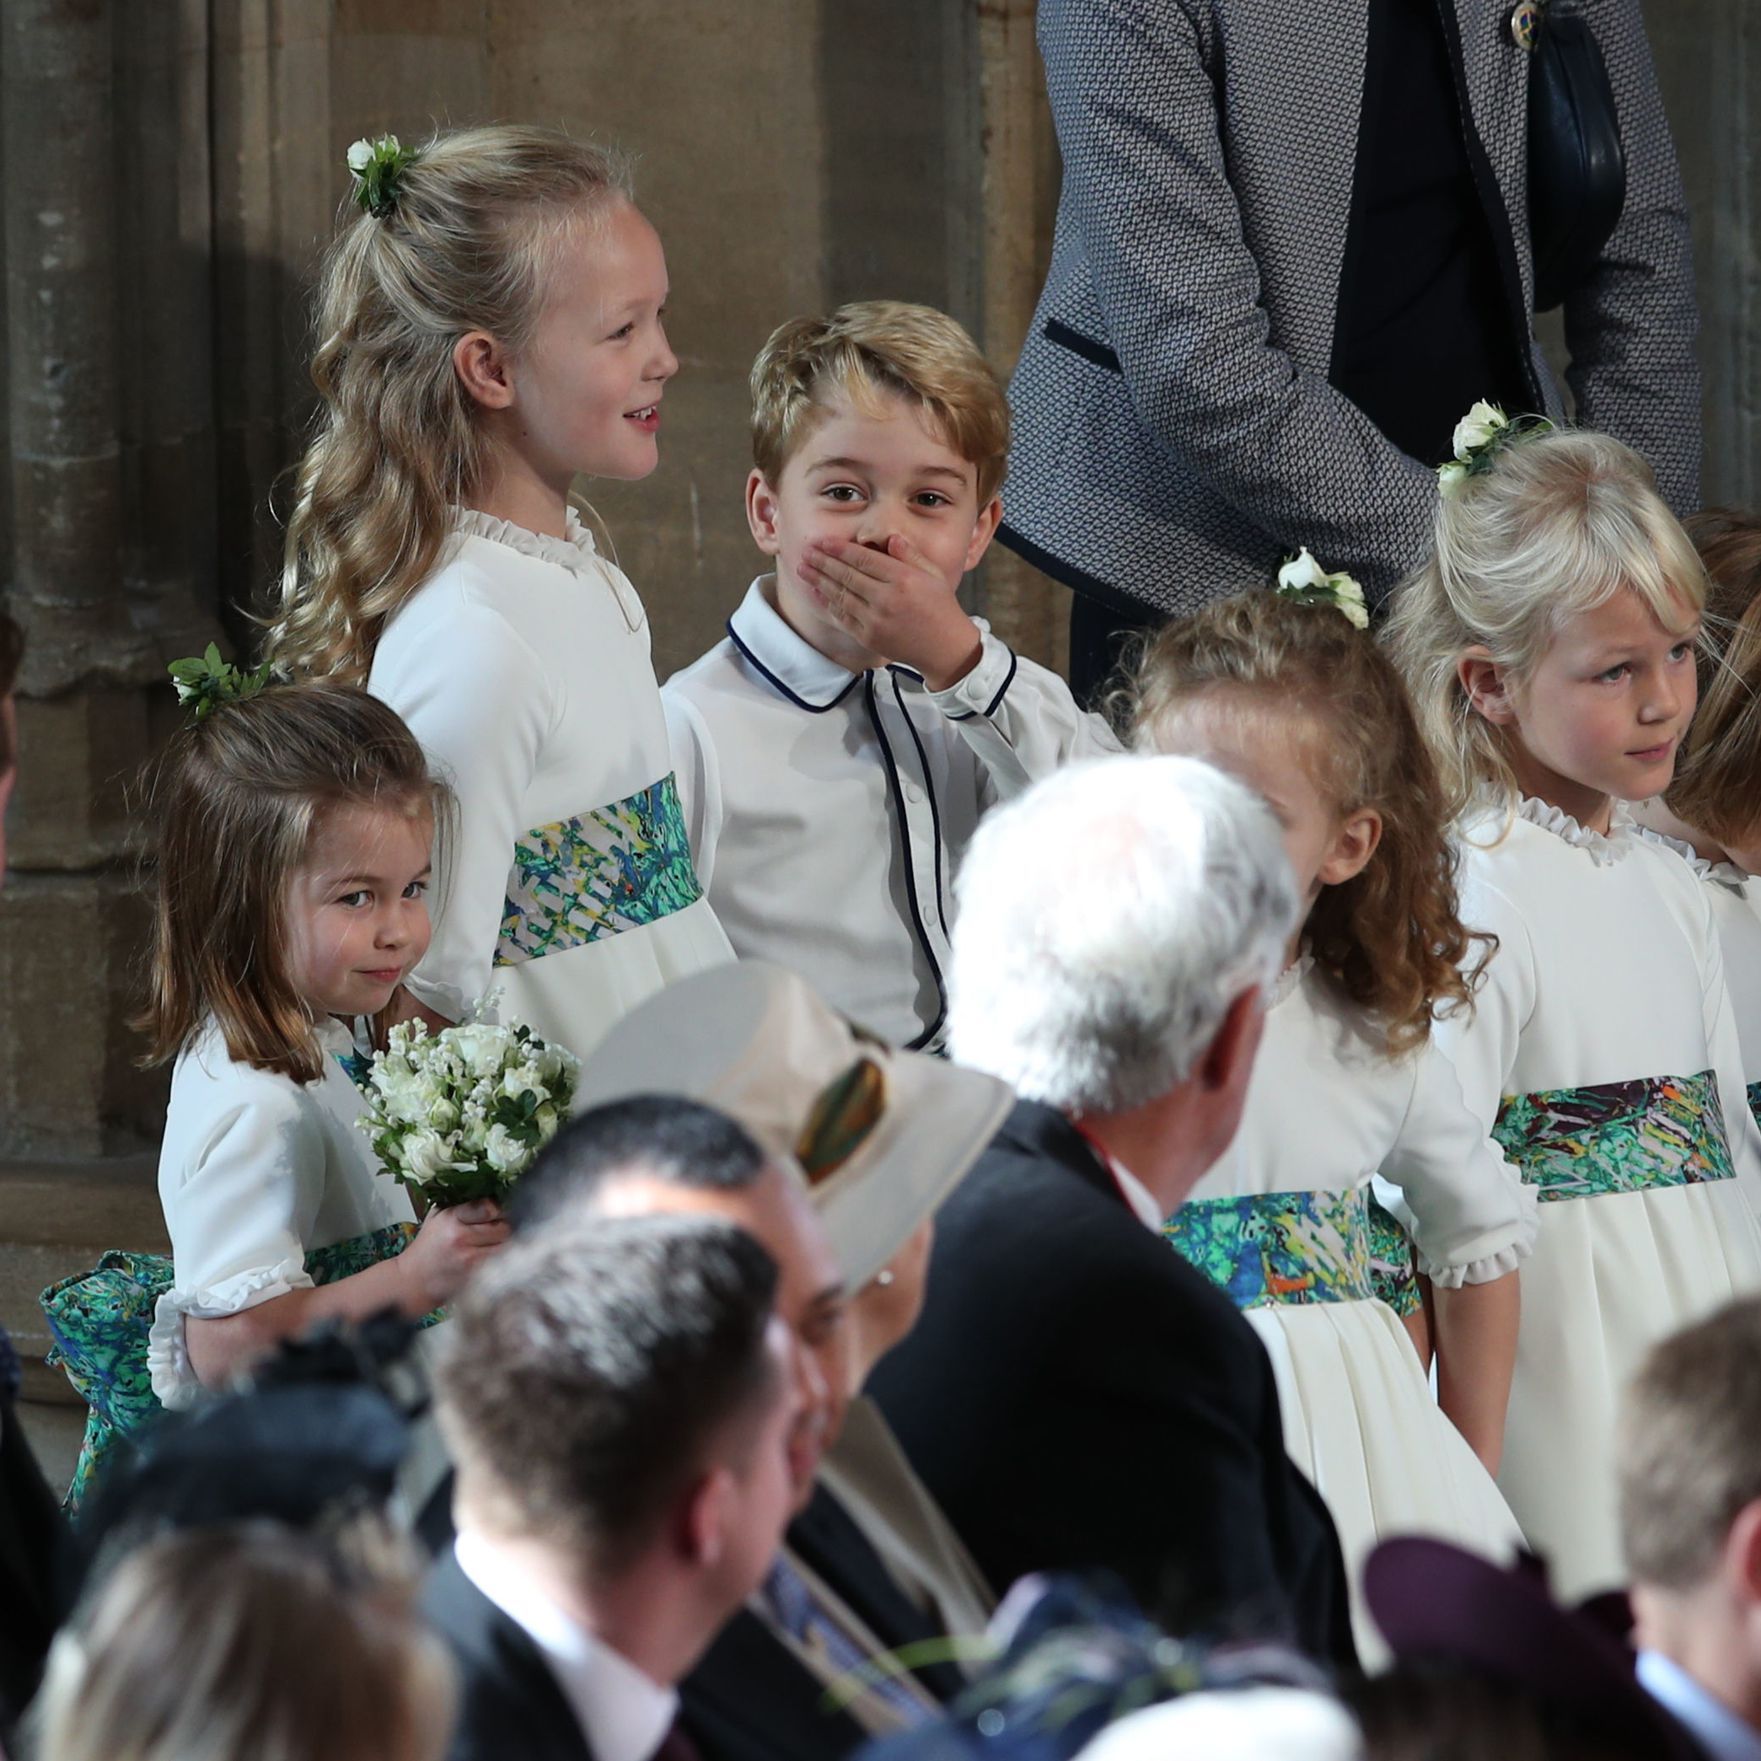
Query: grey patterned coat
[[1175, 433]]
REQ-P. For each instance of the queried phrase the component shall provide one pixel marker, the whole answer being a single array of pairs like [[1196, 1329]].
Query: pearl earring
[[884, 1276]]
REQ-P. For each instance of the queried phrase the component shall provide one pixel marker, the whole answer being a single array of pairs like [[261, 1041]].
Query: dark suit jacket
[[1077, 1396], [509, 1702], [749, 1699]]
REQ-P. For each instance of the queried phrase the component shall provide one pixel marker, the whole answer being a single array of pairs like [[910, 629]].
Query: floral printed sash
[[1617, 1136], [1279, 1247], [99, 1322], [616, 868], [1755, 1100]]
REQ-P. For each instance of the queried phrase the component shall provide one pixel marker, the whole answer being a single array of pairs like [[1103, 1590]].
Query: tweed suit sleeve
[[1631, 326], [1147, 180]]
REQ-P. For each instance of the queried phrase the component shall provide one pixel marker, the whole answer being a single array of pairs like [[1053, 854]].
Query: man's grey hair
[[1108, 919]]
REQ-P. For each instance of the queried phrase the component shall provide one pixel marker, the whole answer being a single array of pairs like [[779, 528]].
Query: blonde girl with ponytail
[[491, 327], [1549, 645]]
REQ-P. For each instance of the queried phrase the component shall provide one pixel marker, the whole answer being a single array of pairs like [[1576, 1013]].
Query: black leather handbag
[[1577, 164]]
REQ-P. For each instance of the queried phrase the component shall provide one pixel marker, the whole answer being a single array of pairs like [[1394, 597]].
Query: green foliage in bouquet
[[462, 1114]]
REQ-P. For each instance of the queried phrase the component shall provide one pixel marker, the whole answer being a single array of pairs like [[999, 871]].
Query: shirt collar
[[623, 1712], [1719, 1731], [788, 662], [1131, 1189]]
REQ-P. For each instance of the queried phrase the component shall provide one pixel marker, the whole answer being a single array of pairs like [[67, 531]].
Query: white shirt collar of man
[[623, 1712], [1722, 1733], [791, 664]]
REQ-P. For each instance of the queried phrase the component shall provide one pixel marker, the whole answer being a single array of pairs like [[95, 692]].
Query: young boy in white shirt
[[835, 752]]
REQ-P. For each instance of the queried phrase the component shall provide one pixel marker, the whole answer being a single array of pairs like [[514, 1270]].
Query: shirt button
[[913, 794]]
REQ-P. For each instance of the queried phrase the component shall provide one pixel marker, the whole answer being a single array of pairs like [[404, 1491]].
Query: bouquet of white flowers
[[461, 1114]]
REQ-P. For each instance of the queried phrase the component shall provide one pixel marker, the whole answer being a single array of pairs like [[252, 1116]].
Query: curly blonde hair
[[480, 218], [1561, 523], [1717, 787], [1390, 938]]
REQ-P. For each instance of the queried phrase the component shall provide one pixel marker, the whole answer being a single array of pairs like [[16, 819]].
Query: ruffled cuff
[[1483, 1268], [168, 1358]]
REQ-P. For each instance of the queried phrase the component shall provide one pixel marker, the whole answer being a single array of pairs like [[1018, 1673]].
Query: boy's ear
[[989, 518], [1352, 849], [482, 366], [1484, 685], [761, 514]]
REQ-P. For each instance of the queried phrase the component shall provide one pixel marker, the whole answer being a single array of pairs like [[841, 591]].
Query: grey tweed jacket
[[1175, 433]]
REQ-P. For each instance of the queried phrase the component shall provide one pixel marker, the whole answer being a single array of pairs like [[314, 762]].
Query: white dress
[[1604, 1054], [1735, 898], [256, 1171], [1280, 1222], [522, 665]]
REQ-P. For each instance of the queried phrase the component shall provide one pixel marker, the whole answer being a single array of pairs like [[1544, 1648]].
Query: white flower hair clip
[[1304, 580], [1479, 437]]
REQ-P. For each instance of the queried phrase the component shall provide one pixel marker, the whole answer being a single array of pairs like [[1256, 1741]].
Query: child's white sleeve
[[1469, 1213], [1482, 1043], [696, 775], [1725, 1049], [1019, 719], [239, 1209], [474, 694]]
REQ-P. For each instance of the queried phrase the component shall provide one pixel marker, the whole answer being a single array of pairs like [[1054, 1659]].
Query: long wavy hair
[[1717, 787], [1390, 938], [1561, 523], [238, 798], [479, 219]]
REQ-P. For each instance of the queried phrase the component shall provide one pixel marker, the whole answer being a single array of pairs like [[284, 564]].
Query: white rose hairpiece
[[1478, 439], [376, 167], [1304, 580]]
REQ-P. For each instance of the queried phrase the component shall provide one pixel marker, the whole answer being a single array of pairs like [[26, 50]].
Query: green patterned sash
[[1279, 1247], [1617, 1136], [100, 1320], [619, 867], [1394, 1273], [1755, 1100]]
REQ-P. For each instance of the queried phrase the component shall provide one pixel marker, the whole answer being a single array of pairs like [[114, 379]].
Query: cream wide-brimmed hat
[[879, 1135]]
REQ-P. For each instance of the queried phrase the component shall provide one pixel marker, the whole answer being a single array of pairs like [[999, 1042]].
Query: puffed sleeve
[[697, 776], [1467, 1210], [1019, 719], [241, 1185], [473, 692], [1482, 1046]]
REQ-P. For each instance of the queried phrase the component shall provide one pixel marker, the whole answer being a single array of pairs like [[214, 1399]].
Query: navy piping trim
[[1078, 344], [1077, 580], [777, 684], [935, 812], [1003, 689], [880, 733]]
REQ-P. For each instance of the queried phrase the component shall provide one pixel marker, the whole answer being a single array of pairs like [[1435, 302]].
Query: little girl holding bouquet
[[297, 825]]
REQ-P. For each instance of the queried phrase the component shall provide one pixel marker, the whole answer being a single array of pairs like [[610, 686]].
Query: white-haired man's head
[[1109, 920]]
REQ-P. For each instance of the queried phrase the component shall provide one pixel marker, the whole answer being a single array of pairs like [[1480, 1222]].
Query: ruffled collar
[[575, 551], [1289, 981], [1719, 874], [1603, 848]]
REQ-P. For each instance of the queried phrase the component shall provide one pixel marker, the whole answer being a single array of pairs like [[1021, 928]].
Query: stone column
[[107, 556]]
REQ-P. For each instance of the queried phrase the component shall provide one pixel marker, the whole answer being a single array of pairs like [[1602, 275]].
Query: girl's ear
[[1353, 846], [482, 366], [761, 514], [1484, 684]]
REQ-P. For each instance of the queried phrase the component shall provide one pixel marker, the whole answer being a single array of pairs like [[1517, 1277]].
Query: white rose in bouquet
[[460, 1115], [1476, 428]]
